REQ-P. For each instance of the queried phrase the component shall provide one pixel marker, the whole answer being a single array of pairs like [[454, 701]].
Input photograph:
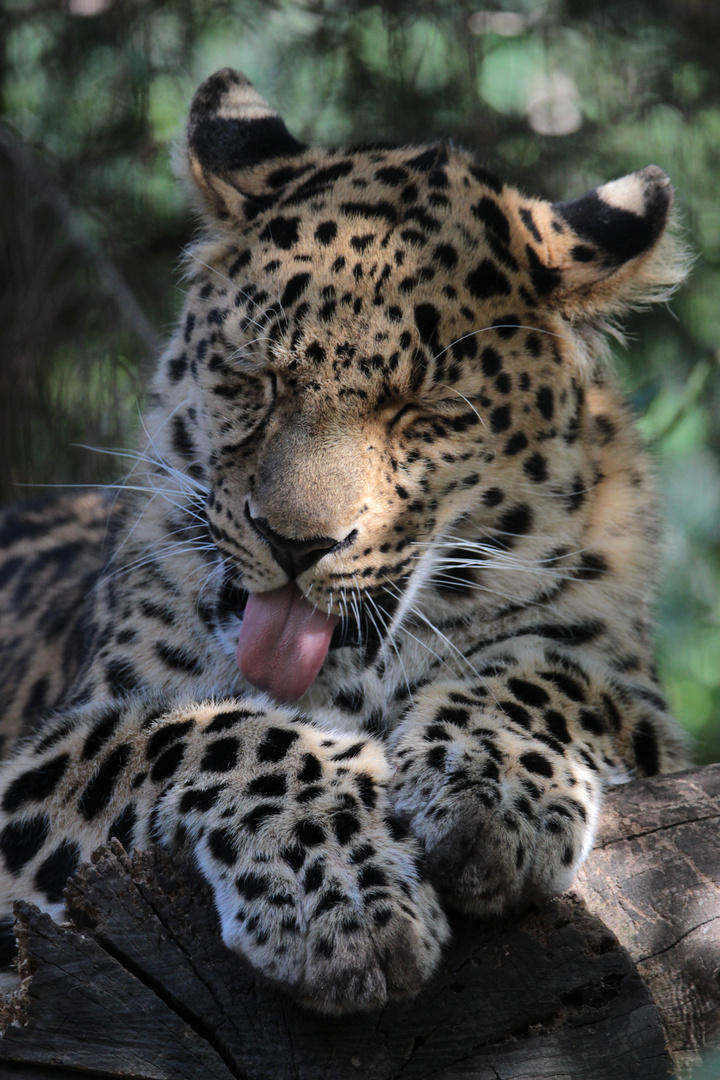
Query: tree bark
[[617, 979]]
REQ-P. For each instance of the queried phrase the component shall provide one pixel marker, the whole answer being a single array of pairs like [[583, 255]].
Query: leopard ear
[[234, 142], [608, 251]]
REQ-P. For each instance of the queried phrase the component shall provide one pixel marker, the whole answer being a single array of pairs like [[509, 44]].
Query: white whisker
[[466, 400], [499, 326], [388, 636]]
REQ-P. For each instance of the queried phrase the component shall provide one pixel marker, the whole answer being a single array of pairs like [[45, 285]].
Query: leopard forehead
[[373, 278]]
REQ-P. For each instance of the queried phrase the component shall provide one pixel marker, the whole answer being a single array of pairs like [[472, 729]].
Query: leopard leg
[[316, 882], [501, 779]]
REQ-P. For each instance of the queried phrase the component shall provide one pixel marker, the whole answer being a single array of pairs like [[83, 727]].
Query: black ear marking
[[622, 219], [227, 145], [232, 128], [613, 249]]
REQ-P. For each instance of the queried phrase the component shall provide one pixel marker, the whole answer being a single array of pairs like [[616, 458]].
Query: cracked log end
[[138, 983]]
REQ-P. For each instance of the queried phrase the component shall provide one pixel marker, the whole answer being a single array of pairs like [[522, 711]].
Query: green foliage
[[556, 96]]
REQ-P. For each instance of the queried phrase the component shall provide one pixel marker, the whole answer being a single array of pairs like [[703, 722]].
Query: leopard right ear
[[235, 144], [613, 249]]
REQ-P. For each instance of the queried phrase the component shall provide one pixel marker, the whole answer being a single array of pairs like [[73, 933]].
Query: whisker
[[501, 567], [156, 555], [499, 326], [427, 647], [466, 400], [419, 614], [450, 581], [385, 635]]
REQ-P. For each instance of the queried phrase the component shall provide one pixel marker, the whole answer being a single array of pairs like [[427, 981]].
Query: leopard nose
[[294, 556]]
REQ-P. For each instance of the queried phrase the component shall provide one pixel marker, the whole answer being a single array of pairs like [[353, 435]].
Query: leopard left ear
[[609, 250], [234, 144]]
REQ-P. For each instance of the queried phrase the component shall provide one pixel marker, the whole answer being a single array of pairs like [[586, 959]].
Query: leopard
[[367, 625]]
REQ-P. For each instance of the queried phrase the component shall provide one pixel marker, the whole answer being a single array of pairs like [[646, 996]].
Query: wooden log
[[654, 879], [605, 983]]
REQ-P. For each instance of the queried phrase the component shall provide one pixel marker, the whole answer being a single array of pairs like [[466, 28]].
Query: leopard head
[[385, 351]]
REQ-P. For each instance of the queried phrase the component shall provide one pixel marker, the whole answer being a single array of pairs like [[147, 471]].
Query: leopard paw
[[316, 883], [348, 930], [502, 820]]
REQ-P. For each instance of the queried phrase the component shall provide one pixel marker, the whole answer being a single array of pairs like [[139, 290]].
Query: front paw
[[316, 882], [344, 929], [504, 820]]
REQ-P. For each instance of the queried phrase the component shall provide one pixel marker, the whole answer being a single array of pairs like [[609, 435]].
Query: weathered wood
[[140, 985], [654, 879]]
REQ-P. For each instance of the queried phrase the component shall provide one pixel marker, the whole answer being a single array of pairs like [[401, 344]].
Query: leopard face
[[383, 354], [365, 405]]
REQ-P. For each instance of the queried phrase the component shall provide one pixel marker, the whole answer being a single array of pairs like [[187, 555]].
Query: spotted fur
[[386, 385]]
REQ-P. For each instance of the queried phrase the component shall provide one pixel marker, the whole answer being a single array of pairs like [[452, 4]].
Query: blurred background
[[556, 96]]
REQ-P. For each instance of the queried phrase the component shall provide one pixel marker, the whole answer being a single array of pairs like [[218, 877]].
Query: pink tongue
[[283, 642]]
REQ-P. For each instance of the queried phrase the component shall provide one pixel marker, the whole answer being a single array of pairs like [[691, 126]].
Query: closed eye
[[400, 414], [441, 407]]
